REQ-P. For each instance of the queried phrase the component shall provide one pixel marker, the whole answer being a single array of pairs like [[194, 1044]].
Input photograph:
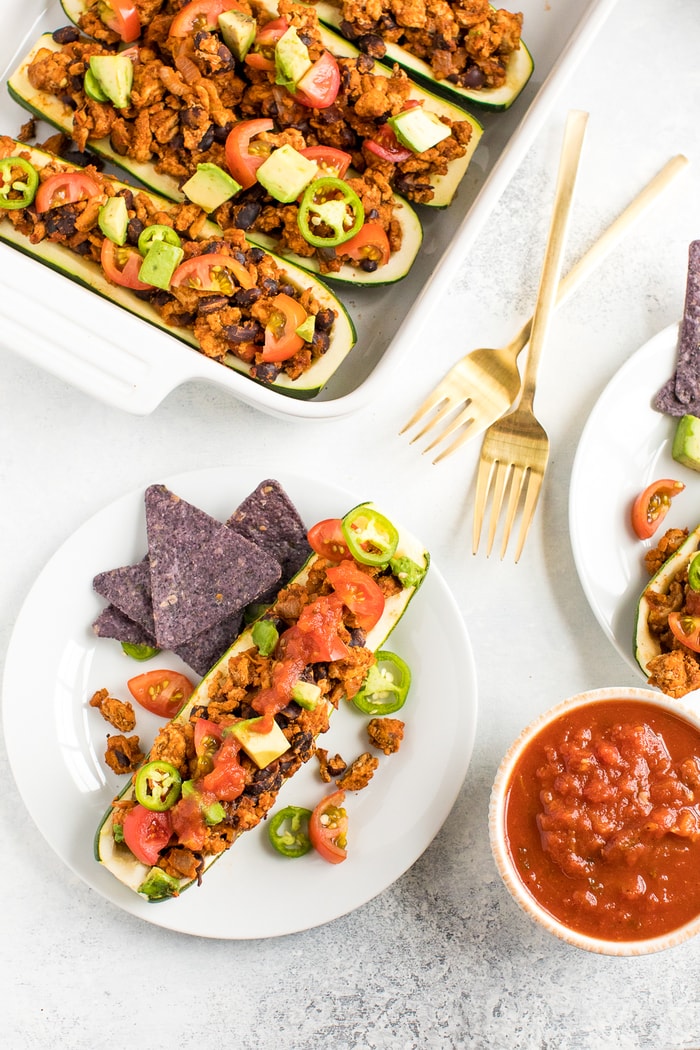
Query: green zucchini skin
[[118, 859], [646, 646], [55, 112], [520, 69], [89, 275]]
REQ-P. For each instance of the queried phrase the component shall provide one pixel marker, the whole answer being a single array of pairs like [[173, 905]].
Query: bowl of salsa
[[594, 821]]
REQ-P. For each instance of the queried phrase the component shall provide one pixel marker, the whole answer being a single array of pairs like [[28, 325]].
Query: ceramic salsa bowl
[[595, 821]]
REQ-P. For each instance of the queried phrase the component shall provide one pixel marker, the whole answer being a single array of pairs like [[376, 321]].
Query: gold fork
[[515, 449], [483, 385]]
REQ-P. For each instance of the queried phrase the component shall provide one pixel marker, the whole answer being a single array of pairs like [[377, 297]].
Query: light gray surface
[[443, 958]]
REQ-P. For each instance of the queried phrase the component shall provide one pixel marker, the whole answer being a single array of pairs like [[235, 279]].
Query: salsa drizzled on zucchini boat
[[215, 770], [233, 296]]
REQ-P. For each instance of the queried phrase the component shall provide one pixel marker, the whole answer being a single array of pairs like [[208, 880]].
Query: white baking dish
[[120, 359]]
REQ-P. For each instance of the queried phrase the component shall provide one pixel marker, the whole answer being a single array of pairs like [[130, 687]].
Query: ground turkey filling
[[676, 669], [231, 697], [223, 324], [467, 42]]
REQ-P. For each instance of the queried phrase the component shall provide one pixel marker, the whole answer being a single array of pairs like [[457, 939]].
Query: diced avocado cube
[[238, 30], [417, 129], [306, 694], [160, 263], [686, 442], [114, 75], [291, 58], [286, 173], [262, 747], [210, 186], [91, 87], [158, 885], [307, 328], [113, 219]]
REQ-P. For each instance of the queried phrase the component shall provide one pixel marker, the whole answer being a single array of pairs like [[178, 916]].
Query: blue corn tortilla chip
[[129, 589], [680, 395], [268, 518], [201, 571], [112, 623]]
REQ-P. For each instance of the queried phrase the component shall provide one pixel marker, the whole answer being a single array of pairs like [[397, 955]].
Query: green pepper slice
[[386, 686], [157, 232], [330, 213], [371, 538], [18, 183], [288, 831], [139, 650], [266, 636], [157, 786]]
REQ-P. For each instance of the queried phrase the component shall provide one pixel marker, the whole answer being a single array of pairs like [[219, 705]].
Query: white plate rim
[[74, 666]]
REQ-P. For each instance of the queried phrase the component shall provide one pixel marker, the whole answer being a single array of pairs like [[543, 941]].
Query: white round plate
[[252, 891], [625, 445]]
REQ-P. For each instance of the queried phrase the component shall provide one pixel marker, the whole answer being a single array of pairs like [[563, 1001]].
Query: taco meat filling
[[676, 669], [250, 686], [466, 42], [231, 307]]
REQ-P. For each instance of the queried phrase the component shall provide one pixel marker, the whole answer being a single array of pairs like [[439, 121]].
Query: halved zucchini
[[520, 69], [60, 115], [646, 646], [85, 272], [116, 856]]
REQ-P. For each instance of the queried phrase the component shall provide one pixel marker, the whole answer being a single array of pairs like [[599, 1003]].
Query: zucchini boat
[[89, 273], [648, 646], [59, 114], [444, 185], [519, 69], [286, 730]]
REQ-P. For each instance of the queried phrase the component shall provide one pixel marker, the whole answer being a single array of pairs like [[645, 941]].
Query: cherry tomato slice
[[370, 243], [386, 146], [686, 629], [331, 161], [319, 86], [146, 833], [328, 828], [162, 692], [652, 505], [359, 592], [327, 540], [262, 54], [242, 159], [65, 187], [281, 339], [122, 17], [212, 272], [200, 15], [121, 265]]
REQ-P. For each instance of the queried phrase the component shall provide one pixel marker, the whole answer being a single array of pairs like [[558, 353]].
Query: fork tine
[[434, 398], [532, 496], [518, 476], [471, 430], [463, 418], [441, 414], [483, 483], [500, 484]]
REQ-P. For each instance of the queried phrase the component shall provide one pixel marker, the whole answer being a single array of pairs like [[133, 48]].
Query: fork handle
[[572, 145], [598, 251]]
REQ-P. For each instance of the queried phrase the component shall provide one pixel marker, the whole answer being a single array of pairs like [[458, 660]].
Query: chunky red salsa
[[603, 819]]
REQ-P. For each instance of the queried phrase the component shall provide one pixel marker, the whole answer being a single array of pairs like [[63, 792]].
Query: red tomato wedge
[[326, 539], [331, 161], [122, 17], [370, 242], [200, 14], [262, 53], [242, 159], [121, 265], [319, 86], [281, 339], [65, 187], [204, 729], [358, 592], [162, 692], [328, 828], [652, 505], [686, 629], [386, 146], [146, 833], [212, 272]]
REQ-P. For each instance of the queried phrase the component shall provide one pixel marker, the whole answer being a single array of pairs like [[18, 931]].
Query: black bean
[[242, 333], [61, 220], [82, 159], [288, 289], [134, 230], [66, 35], [372, 214], [206, 139], [324, 319], [213, 247], [221, 132], [191, 116], [357, 636], [256, 255], [209, 304], [472, 78], [270, 286], [245, 297], [368, 265], [372, 46], [266, 371], [348, 30], [321, 342], [67, 100], [246, 214]]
